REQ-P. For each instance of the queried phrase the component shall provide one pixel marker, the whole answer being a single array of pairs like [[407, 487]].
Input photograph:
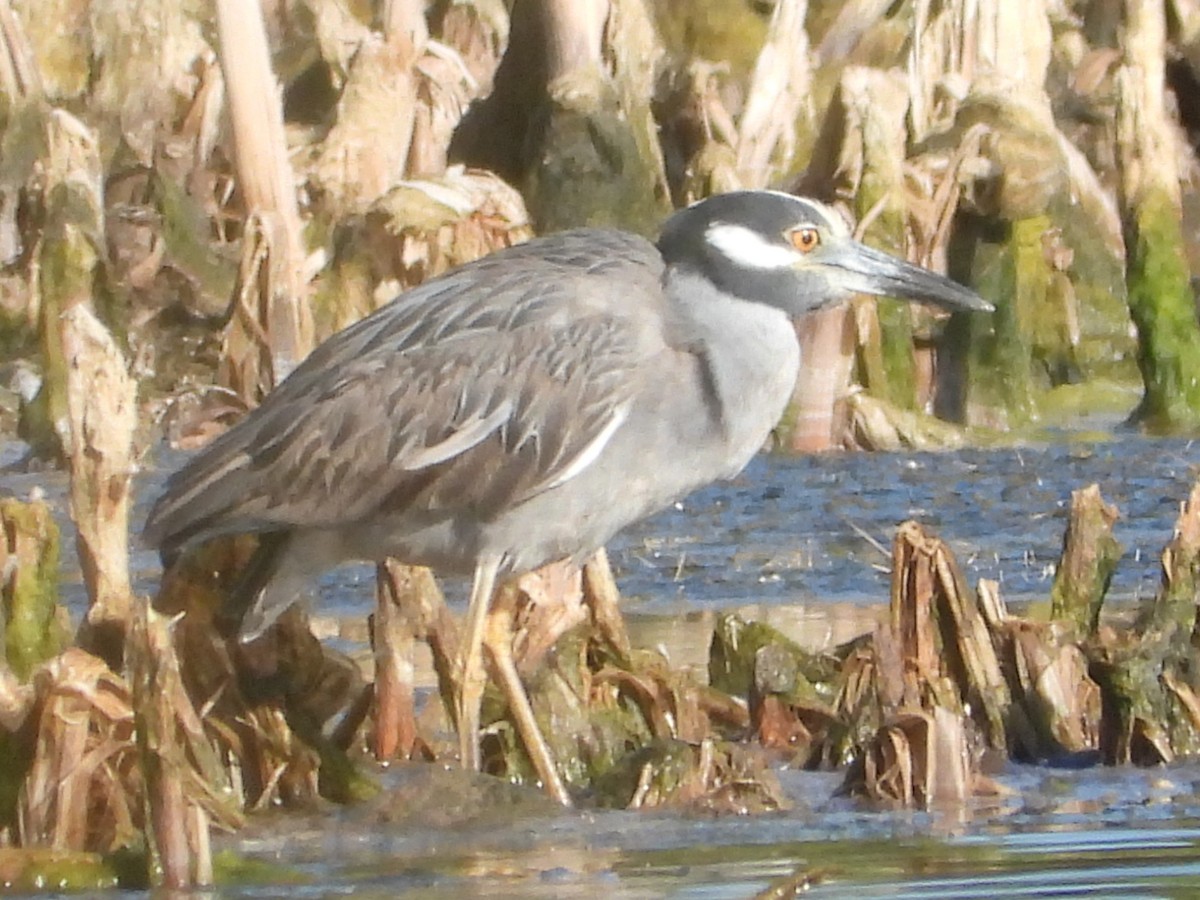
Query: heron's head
[[795, 254]]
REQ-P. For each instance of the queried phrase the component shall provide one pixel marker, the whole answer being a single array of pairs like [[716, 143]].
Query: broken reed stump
[[186, 785], [1089, 557], [919, 759], [70, 784], [395, 114], [1157, 277], [1048, 674], [1150, 691], [68, 240], [102, 410], [1058, 687], [80, 788], [393, 640], [569, 117], [562, 673], [860, 153], [409, 607], [936, 669], [1175, 605], [953, 676], [946, 649]]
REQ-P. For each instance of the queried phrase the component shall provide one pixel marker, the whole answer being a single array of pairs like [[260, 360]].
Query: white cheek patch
[[748, 248]]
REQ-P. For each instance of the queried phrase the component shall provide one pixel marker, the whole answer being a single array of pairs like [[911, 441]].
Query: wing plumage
[[474, 392]]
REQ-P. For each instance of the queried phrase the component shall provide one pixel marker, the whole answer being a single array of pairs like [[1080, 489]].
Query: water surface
[[797, 541], [1098, 832]]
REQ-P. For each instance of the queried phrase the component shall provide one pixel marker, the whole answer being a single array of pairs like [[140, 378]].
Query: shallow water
[[816, 530], [1098, 832], [791, 528], [791, 540]]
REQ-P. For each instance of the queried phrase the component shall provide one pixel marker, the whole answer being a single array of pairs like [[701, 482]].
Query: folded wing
[[475, 392]]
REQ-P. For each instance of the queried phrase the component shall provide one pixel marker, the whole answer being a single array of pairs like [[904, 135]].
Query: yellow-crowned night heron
[[523, 408]]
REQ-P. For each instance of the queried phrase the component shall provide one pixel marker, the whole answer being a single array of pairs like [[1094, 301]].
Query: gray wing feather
[[477, 390]]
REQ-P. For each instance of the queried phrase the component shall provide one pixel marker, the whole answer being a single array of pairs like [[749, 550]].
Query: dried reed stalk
[[83, 790], [778, 98], [273, 330], [19, 75]]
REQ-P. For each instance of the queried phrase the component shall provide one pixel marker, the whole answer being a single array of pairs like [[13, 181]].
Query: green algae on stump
[[33, 631], [1163, 307]]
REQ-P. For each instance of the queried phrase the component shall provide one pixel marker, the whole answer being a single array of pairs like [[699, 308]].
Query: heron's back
[[461, 399]]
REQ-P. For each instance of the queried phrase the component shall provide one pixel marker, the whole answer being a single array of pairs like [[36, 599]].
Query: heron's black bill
[[871, 271]]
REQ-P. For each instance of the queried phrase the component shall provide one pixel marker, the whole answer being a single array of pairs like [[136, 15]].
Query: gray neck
[[750, 354]]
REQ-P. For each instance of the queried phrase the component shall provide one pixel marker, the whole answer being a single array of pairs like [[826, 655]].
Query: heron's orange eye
[[805, 239]]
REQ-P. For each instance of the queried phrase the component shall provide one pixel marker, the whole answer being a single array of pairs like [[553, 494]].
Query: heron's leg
[[498, 639], [472, 677]]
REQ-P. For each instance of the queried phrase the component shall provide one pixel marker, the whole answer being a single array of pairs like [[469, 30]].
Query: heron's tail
[[263, 591]]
